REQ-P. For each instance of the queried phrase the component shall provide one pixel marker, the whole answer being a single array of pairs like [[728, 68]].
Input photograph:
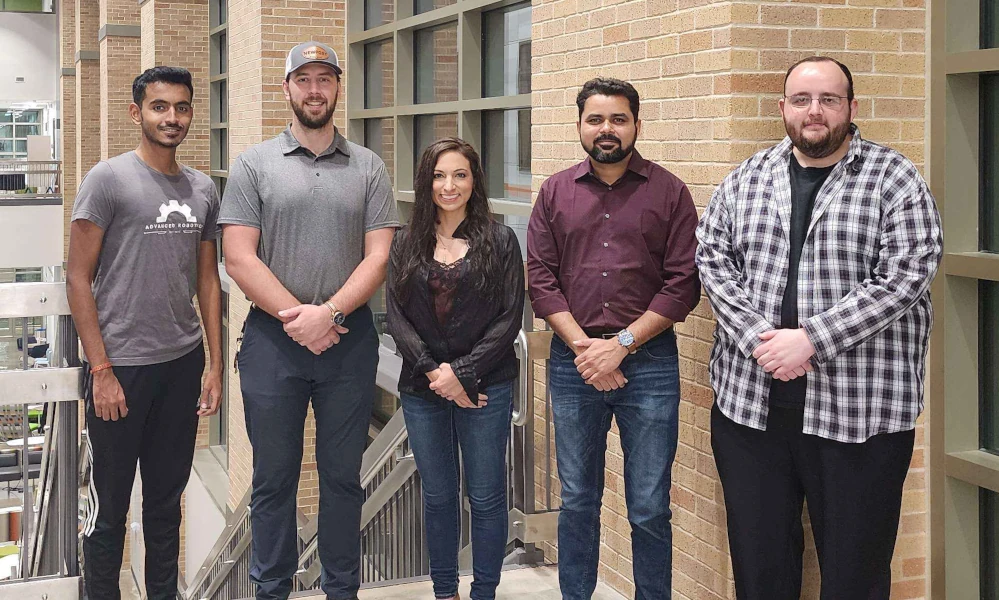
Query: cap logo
[[315, 53]]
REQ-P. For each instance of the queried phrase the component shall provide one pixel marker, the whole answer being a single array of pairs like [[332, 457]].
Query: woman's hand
[[447, 384]]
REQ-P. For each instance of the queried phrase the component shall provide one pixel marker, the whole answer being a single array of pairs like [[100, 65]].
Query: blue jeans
[[646, 411], [437, 428]]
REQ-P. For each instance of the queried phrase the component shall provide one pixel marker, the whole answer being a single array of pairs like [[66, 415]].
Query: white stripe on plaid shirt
[[872, 249]]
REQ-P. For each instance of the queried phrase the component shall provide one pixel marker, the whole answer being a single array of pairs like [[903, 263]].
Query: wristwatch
[[627, 339], [336, 316]]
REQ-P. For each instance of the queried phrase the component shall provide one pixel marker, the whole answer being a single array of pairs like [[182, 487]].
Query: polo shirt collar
[[289, 143], [637, 164]]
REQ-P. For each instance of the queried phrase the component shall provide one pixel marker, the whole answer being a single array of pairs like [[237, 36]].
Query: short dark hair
[[177, 75], [813, 59], [608, 86]]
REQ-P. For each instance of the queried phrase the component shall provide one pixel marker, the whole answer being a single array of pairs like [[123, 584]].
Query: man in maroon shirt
[[610, 249]]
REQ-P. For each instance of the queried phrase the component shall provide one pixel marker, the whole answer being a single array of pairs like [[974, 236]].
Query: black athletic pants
[[854, 494], [158, 433]]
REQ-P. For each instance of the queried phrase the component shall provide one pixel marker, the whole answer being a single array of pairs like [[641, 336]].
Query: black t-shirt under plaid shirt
[[805, 185]]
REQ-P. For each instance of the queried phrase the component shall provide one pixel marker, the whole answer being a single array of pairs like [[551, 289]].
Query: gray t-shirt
[[312, 211], [147, 268]]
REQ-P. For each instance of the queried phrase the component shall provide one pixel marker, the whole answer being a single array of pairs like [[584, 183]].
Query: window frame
[[469, 106]]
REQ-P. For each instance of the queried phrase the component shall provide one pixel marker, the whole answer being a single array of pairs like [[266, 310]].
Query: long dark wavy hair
[[417, 248]]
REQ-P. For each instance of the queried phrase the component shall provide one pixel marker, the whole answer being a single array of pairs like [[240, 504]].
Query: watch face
[[625, 338], [339, 318]]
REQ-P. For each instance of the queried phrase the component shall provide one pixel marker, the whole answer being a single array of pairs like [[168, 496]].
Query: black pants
[[279, 378], [159, 432], [854, 494]]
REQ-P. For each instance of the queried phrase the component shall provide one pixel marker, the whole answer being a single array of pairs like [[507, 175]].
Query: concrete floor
[[520, 584]]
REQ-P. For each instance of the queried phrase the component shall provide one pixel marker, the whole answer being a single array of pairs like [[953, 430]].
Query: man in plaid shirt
[[817, 255]]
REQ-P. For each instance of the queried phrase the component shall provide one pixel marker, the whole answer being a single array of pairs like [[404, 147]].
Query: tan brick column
[[710, 74], [176, 34], [119, 50], [67, 108], [261, 32], [88, 89]]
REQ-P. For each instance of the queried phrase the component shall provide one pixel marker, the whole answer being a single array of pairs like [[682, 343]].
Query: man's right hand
[[612, 381], [109, 398]]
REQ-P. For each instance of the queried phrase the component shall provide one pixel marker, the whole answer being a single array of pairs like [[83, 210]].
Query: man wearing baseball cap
[[308, 221]]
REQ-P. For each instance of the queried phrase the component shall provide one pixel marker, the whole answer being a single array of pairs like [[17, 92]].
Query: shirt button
[[606, 304], [604, 273], [610, 187], [606, 244], [606, 215]]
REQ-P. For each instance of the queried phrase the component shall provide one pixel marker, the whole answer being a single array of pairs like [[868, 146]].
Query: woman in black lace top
[[455, 306]]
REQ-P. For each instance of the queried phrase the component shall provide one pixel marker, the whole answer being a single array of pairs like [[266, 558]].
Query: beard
[[821, 147], [149, 132], [614, 156], [309, 121]]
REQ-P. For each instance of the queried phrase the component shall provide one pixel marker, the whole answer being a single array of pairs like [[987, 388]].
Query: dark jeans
[[159, 433], [854, 494], [646, 411], [278, 378], [437, 428]]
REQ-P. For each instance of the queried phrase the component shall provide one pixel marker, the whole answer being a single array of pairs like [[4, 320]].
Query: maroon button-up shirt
[[608, 253]]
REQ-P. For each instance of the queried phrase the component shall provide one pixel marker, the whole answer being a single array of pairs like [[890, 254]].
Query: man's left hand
[[211, 394], [306, 323], [783, 351], [598, 358]]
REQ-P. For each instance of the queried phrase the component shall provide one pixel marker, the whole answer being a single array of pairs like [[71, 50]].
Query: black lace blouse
[[444, 319]]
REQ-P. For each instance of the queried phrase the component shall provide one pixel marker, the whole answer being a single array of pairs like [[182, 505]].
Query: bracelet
[[102, 367], [331, 307]]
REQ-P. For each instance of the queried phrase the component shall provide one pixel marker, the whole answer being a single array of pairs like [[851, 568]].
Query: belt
[[601, 333]]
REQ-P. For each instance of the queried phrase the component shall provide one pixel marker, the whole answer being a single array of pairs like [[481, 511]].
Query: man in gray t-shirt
[[309, 219], [142, 246]]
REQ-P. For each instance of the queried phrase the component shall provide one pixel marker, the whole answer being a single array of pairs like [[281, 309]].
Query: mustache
[[607, 138]]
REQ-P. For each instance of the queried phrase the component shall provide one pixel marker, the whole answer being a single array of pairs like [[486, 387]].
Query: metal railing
[[22, 179], [48, 537]]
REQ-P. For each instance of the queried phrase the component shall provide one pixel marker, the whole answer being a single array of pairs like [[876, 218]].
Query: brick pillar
[[119, 52], [88, 89], [67, 108], [260, 34], [175, 33]]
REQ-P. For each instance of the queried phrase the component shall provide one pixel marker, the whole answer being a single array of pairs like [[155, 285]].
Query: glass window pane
[[30, 116], [988, 212], [26, 130], [506, 51], [430, 128], [990, 24], [422, 6], [21, 146], [378, 12], [223, 53], [6, 131], [6, 146], [223, 11], [506, 154], [379, 74], [379, 137], [988, 364], [6, 116], [436, 68]]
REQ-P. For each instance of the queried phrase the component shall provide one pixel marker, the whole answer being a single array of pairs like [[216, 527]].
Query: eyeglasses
[[825, 101]]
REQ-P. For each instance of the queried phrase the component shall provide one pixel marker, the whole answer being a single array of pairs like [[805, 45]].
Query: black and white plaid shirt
[[872, 249]]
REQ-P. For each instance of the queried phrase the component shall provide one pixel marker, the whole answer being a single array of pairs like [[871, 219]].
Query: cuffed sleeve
[[720, 272], [413, 349], [543, 259], [911, 247], [503, 330], [681, 286]]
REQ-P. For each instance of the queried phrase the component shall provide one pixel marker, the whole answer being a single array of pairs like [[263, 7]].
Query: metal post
[[25, 460]]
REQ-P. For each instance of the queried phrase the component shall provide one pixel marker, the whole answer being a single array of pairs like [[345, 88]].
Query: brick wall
[[710, 74], [176, 34], [260, 36], [119, 66], [67, 108]]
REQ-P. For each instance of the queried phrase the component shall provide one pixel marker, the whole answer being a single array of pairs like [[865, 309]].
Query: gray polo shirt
[[312, 211]]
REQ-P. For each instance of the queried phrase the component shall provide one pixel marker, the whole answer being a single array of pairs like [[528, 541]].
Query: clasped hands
[[785, 353], [445, 384], [599, 363], [310, 326]]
